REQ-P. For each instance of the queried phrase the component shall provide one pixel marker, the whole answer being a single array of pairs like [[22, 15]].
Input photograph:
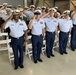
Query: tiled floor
[[59, 65]]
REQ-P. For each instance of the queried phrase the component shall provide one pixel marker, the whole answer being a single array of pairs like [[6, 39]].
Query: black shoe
[[72, 49], [65, 53], [48, 56], [61, 53], [52, 55], [35, 62], [21, 66], [16, 67], [40, 60]]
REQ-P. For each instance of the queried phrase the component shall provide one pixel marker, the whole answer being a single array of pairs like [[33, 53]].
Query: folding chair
[[5, 45], [44, 47], [28, 50]]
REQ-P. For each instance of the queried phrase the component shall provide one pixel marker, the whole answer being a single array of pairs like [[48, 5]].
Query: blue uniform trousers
[[50, 37], [37, 42], [73, 37], [63, 39], [17, 46]]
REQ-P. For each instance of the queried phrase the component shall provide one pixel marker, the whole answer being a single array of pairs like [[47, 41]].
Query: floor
[[58, 65]]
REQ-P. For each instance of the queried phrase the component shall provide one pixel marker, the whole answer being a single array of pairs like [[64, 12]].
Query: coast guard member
[[37, 29], [7, 15], [51, 27], [65, 26], [43, 10], [30, 13], [3, 8], [18, 29], [73, 33]]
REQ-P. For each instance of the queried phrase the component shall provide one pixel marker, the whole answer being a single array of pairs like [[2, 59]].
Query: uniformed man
[[37, 29], [38, 8], [65, 26], [43, 10], [57, 14], [3, 8], [20, 8], [10, 6], [56, 7], [30, 13], [51, 28], [26, 8], [47, 9], [18, 29], [7, 15], [73, 33], [23, 16]]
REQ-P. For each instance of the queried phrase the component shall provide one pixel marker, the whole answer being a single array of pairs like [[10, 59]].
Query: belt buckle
[[39, 35], [66, 32], [52, 32], [18, 38]]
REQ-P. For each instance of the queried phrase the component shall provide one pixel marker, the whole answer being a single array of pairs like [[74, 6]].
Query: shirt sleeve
[[59, 21], [71, 24], [25, 26], [44, 19], [43, 26], [3, 16], [7, 25], [56, 22], [26, 12]]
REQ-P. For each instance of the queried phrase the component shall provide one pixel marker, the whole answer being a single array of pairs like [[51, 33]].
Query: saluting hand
[[2, 7], [0, 15], [63, 15], [28, 9], [34, 17], [10, 17]]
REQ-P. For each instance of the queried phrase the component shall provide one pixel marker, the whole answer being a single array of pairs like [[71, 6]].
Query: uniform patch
[[21, 24], [41, 22], [48, 21], [12, 24], [55, 21], [34, 23]]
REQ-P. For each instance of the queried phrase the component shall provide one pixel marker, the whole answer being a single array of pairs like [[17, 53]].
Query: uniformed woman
[[37, 30], [51, 28], [65, 26]]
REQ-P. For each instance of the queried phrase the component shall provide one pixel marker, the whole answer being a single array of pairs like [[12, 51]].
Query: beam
[[36, 4], [25, 3]]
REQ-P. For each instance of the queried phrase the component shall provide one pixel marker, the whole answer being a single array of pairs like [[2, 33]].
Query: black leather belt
[[16, 38], [50, 32], [74, 24], [36, 35], [64, 32]]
